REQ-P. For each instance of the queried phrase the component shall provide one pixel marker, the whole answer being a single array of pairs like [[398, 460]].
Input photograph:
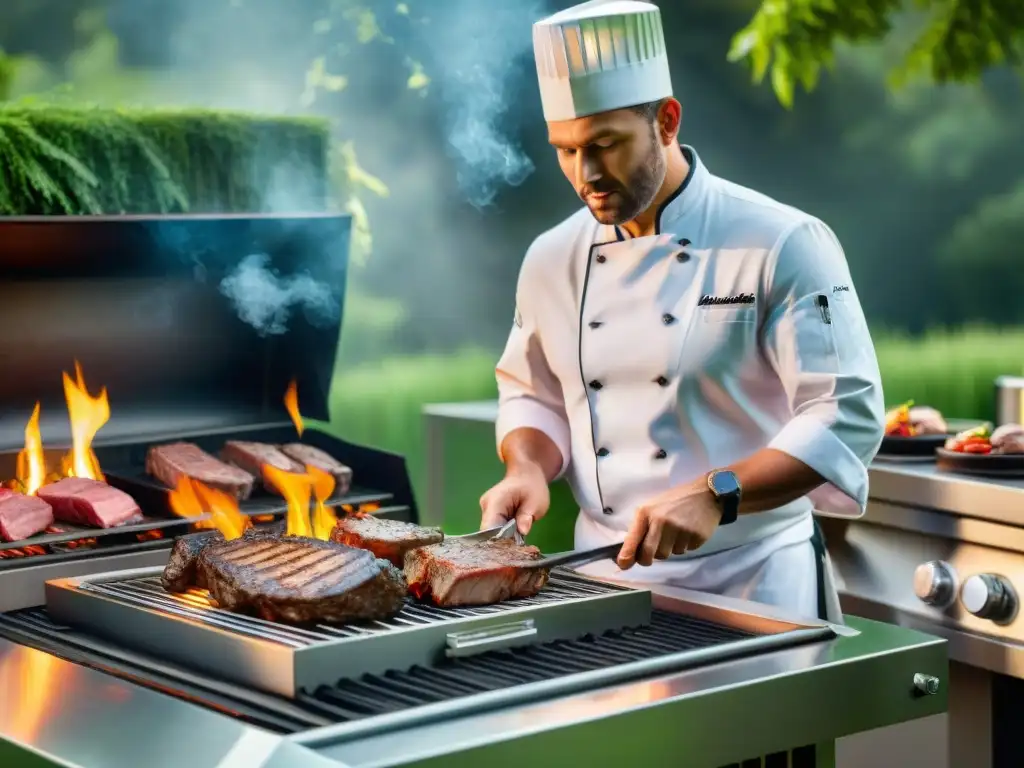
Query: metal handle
[[581, 557], [492, 638]]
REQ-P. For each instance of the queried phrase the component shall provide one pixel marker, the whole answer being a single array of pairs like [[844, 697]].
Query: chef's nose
[[588, 170]]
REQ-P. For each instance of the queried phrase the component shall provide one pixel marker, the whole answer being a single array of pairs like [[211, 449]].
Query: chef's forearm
[[770, 479], [530, 450]]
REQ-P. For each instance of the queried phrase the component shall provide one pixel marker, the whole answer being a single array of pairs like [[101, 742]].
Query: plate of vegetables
[[916, 431], [983, 451]]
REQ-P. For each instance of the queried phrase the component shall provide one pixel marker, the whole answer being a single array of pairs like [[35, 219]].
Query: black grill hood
[[136, 300]]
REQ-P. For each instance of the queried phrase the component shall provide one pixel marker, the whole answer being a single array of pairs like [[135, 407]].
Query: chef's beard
[[638, 193]]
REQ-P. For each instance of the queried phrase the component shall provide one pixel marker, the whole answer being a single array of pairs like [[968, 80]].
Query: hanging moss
[[62, 160]]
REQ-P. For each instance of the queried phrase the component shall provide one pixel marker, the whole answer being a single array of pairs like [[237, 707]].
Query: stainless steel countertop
[[863, 678]]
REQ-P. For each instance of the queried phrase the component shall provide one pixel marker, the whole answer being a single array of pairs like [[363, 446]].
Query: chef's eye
[[604, 143]]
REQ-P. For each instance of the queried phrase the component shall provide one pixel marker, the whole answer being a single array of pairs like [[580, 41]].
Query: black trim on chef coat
[[679, 190], [818, 544]]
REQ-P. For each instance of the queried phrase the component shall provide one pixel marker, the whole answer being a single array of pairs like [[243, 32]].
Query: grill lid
[[140, 302]]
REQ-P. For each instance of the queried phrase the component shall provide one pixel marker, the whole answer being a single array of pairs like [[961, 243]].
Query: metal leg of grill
[[811, 756]]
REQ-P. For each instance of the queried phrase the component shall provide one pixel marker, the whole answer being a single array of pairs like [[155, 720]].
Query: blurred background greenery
[[902, 129]]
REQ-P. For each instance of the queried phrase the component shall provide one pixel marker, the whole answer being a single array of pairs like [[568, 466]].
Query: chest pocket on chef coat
[[743, 313]]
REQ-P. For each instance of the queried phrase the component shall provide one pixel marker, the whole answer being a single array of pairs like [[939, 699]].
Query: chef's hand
[[676, 521], [523, 494]]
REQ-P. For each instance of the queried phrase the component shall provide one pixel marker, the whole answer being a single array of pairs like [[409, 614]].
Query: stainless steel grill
[[132, 607]]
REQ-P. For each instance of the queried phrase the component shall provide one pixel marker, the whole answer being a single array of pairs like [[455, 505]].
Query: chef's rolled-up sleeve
[[529, 394], [817, 340]]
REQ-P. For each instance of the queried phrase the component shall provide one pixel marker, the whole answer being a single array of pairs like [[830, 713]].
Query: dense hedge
[[63, 160]]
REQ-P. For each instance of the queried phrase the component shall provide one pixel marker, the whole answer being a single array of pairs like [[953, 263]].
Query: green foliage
[[959, 39], [81, 160]]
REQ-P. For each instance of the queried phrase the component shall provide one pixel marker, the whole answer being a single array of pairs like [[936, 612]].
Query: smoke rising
[[479, 55], [266, 300]]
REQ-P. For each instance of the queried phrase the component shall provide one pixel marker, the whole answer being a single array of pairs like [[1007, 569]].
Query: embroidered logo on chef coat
[[518, 319], [715, 301], [840, 292]]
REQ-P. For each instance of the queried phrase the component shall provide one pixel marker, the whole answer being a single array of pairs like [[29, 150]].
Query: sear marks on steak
[[252, 456], [83, 501], [455, 572], [180, 574], [168, 463], [308, 454], [387, 539], [22, 516], [299, 580]]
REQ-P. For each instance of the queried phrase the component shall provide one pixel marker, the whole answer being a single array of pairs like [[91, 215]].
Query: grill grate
[[393, 691], [147, 592]]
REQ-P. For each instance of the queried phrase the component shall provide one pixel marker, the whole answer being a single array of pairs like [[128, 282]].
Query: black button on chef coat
[[661, 381], [595, 384], [603, 451], [601, 258], [661, 454], [668, 319], [682, 256], [607, 510], [594, 324]]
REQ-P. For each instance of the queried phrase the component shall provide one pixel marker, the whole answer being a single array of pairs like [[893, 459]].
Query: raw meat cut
[[457, 572], [388, 539], [296, 579], [308, 454], [168, 463], [83, 501], [22, 516], [252, 456]]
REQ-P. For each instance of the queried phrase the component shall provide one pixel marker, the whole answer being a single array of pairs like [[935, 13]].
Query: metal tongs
[[506, 531], [560, 560]]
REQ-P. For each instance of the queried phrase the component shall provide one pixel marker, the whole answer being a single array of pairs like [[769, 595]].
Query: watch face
[[724, 483]]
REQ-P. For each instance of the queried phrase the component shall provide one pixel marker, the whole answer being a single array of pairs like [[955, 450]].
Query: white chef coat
[[651, 361]]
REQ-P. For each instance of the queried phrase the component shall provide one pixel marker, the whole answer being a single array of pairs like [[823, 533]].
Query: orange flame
[[324, 519], [291, 403], [31, 471], [193, 499], [296, 489], [87, 415]]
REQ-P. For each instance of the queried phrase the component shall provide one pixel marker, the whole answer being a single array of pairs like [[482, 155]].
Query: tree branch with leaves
[[792, 41]]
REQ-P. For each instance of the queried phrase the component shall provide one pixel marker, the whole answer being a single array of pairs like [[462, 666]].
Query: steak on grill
[[299, 580], [181, 572], [252, 456], [309, 454], [83, 501], [387, 539], [456, 572], [168, 463], [22, 516]]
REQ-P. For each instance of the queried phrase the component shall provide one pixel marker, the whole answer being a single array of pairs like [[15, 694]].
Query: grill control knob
[[935, 583], [989, 596]]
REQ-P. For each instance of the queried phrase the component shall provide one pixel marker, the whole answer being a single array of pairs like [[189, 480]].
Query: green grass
[[381, 404]]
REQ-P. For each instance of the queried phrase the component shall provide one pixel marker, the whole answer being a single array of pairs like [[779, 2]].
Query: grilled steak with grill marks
[[308, 454], [387, 539], [296, 579], [180, 573], [22, 516], [458, 572], [168, 463]]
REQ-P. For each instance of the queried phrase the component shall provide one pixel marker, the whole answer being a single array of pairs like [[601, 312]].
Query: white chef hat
[[599, 56]]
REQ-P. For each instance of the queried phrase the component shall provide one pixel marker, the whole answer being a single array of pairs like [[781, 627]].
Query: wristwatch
[[725, 487]]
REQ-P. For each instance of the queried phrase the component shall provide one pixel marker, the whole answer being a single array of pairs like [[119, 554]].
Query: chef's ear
[[670, 117]]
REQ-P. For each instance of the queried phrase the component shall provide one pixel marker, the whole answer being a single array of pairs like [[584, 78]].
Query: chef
[[691, 354]]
